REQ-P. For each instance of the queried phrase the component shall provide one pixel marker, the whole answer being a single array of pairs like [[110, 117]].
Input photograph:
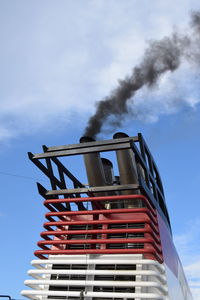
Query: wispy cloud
[[175, 92], [59, 59]]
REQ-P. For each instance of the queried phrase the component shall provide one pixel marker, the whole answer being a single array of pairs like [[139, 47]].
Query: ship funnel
[[94, 166], [127, 168], [126, 163], [108, 171]]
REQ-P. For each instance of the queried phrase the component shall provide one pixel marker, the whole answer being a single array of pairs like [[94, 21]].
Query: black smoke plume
[[160, 56]]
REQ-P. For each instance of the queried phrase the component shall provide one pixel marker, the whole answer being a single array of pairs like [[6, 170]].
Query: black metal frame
[[150, 184], [6, 296]]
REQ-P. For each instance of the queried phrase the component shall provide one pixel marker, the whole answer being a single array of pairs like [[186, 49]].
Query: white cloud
[[193, 270], [5, 134], [60, 58], [174, 92]]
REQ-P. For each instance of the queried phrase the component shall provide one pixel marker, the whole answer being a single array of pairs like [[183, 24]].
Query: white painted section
[[101, 259], [176, 281], [36, 283], [34, 295], [37, 273], [147, 281], [177, 287]]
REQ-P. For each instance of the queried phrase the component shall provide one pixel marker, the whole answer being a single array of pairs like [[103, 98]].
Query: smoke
[[165, 55]]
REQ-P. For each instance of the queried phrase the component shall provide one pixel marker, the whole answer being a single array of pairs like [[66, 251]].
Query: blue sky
[[57, 59]]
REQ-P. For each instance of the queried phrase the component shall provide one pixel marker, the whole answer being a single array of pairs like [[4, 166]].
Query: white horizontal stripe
[[31, 294], [34, 273], [32, 283], [39, 262], [43, 273]]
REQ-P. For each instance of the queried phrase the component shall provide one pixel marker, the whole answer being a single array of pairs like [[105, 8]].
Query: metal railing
[[66, 239]]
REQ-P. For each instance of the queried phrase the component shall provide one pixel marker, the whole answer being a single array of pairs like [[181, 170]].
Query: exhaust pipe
[[110, 180], [127, 170], [108, 171], [126, 163], [94, 167]]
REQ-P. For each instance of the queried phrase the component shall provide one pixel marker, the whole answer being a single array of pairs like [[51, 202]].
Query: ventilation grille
[[97, 277], [97, 230]]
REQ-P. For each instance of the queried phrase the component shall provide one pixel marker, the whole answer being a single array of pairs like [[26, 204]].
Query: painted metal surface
[[64, 240], [114, 246], [138, 278], [177, 283]]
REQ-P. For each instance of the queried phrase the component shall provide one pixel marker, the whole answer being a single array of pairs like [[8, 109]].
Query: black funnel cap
[[119, 135], [86, 139]]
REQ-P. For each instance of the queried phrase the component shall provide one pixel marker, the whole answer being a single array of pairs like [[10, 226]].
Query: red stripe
[[97, 241], [100, 211], [96, 231], [145, 215], [41, 253], [103, 198]]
